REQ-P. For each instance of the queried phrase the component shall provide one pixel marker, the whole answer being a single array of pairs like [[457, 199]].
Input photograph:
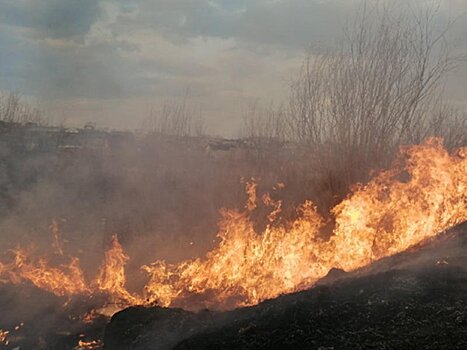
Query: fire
[[66, 279], [246, 267], [88, 345], [57, 240], [384, 217], [388, 215], [4, 337], [424, 194], [111, 277]]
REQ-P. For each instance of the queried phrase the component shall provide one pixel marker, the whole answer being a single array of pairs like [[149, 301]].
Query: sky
[[113, 61]]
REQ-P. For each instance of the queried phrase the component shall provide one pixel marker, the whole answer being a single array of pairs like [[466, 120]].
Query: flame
[[4, 337], [388, 215], [66, 279], [111, 277], [423, 195], [57, 237], [250, 190], [88, 345], [384, 217]]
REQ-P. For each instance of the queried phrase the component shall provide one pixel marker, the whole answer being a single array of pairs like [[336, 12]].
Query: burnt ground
[[414, 300], [44, 321]]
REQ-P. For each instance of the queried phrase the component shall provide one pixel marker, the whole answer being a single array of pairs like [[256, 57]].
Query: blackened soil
[[38, 320]]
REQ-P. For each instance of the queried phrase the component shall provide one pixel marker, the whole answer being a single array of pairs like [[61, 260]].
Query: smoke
[[159, 194]]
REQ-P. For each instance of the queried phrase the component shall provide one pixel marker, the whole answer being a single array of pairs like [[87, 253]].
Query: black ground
[[44, 321]]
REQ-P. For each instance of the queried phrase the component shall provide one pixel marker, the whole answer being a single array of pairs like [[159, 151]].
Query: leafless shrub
[[451, 124], [176, 119], [264, 124], [265, 131], [14, 109], [355, 105]]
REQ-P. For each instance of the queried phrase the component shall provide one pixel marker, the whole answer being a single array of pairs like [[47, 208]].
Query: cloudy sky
[[112, 61]]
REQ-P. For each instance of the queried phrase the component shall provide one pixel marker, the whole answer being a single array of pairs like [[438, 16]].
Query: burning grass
[[422, 195]]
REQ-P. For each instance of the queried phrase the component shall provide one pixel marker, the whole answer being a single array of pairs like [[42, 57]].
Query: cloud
[[291, 23], [51, 18], [111, 60]]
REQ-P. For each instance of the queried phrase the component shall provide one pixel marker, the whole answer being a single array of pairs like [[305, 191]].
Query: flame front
[[385, 217], [388, 216], [399, 208], [66, 279]]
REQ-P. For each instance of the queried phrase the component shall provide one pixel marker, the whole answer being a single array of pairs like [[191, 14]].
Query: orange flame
[[385, 217], [57, 238], [388, 215], [399, 208], [4, 337], [88, 345], [111, 277], [62, 280]]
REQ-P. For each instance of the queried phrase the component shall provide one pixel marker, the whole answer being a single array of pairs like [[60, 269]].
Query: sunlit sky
[[112, 61]]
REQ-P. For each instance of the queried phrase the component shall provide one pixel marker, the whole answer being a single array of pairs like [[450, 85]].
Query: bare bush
[[356, 104], [14, 109], [176, 119], [448, 122], [268, 124], [264, 125], [265, 132]]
